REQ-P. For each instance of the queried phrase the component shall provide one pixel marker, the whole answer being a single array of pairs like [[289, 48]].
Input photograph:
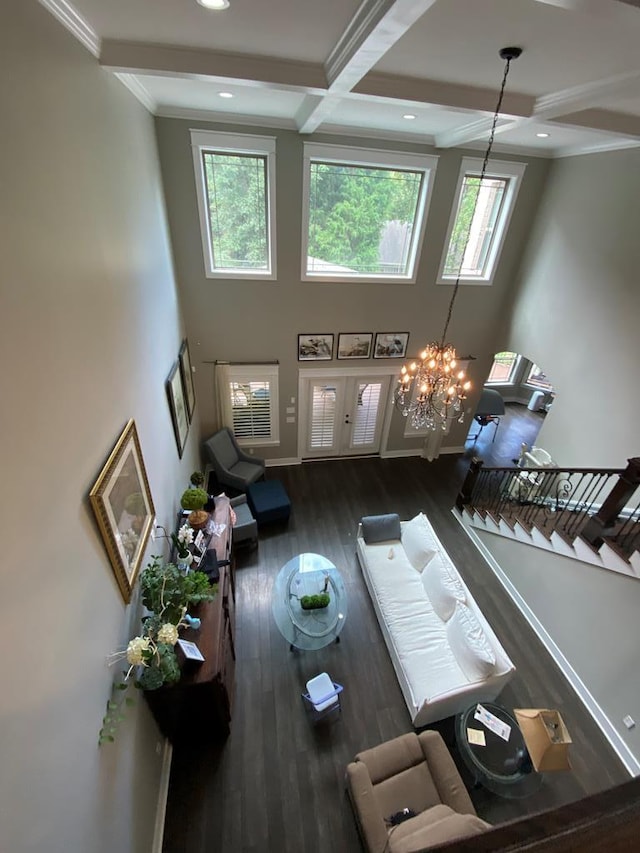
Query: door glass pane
[[366, 414], [323, 414]]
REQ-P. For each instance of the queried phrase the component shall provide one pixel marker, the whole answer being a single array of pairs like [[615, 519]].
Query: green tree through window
[[236, 187], [361, 218]]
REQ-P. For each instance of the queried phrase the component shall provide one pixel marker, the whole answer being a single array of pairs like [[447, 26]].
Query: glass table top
[[503, 767], [309, 574]]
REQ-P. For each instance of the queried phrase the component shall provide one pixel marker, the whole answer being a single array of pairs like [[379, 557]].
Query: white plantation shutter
[[366, 414], [250, 402], [323, 410]]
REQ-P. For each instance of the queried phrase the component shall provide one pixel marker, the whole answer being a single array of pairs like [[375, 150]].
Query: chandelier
[[431, 391]]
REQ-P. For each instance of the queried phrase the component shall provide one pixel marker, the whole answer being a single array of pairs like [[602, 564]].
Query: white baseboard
[[397, 454], [161, 810], [631, 763], [277, 463]]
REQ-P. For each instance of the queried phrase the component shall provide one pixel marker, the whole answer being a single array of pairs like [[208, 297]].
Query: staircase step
[[538, 537], [585, 551], [561, 545], [612, 559]]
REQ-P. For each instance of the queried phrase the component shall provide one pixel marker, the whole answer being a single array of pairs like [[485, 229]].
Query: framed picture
[[317, 347], [190, 650], [123, 507], [178, 407], [354, 344], [391, 345], [187, 378]]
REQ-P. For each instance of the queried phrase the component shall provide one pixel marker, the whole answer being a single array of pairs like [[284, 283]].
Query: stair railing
[[594, 503]]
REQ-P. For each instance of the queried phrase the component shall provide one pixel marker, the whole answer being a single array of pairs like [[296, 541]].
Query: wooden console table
[[199, 706]]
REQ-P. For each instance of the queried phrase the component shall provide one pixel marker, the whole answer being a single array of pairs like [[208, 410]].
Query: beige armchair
[[415, 772]]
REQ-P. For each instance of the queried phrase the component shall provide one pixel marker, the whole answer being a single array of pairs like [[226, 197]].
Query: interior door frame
[[343, 373]]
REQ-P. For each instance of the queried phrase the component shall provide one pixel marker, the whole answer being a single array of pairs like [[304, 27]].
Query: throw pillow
[[469, 644], [380, 528], [417, 542], [442, 587]]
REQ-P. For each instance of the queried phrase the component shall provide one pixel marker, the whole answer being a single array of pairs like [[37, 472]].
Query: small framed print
[[318, 347], [190, 650], [391, 345], [355, 344], [199, 540]]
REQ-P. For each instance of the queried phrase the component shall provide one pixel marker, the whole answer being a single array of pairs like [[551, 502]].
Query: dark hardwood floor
[[277, 782]]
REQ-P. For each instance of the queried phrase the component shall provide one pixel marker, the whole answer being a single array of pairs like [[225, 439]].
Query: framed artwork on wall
[[187, 378], [122, 503], [178, 407], [354, 344], [316, 347], [391, 345]]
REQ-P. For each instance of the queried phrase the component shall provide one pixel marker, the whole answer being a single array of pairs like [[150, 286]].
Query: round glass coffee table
[[309, 574], [502, 766]]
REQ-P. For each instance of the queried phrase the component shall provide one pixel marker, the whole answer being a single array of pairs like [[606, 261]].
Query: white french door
[[343, 415]]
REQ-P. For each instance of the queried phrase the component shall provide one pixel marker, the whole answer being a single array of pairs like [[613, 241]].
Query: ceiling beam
[[577, 98], [161, 60], [438, 92], [373, 30]]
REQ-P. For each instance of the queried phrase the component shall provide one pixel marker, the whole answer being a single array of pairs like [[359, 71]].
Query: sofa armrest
[[370, 821], [444, 773], [241, 499]]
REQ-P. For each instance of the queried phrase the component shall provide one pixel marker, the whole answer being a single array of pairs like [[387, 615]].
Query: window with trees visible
[[249, 399], [482, 213], [235, 183], [364, 213], [503, 368]]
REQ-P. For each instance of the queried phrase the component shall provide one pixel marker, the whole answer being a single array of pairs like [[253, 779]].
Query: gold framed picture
[[123, 506]]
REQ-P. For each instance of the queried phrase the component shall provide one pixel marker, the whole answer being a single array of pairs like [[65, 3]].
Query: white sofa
[[443, 650]]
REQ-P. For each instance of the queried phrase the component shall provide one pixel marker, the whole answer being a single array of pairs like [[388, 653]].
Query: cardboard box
[[546, 736]]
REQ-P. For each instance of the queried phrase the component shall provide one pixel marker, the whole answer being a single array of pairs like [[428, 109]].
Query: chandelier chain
[[483, 171]]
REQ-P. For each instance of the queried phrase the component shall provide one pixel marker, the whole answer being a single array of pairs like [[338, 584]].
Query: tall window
[[235, 183], [364, 213], [248, 397], [486, 224], [503, 368]]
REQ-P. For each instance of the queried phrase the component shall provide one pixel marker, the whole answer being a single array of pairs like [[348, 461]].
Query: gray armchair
[[233, 467]]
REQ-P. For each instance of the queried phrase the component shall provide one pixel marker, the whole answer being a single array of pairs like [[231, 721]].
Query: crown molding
[[596, 147], [134, 85], [75, 23]]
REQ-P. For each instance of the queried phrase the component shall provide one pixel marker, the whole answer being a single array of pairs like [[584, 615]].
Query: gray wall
[[577, 309], [89, 329], [243, 320], [591, 614]]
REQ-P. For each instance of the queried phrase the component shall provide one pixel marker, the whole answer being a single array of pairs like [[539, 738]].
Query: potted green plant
[[167, 593], [194, 500], [315, 602], [197, 479]]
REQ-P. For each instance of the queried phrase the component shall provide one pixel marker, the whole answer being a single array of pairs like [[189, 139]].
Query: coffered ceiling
[[359, 68]]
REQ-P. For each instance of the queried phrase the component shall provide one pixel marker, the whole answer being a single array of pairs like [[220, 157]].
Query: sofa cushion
[[469, 644], [417, 542], [415, 835], [380, 528], [443, 587]]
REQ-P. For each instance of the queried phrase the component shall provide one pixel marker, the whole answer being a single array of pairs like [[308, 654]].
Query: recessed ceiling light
[[542, 135], [214, 4], [225, 94], [408, 116]]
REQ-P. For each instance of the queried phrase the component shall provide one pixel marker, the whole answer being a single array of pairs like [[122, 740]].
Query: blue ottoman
[[269, 501]]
